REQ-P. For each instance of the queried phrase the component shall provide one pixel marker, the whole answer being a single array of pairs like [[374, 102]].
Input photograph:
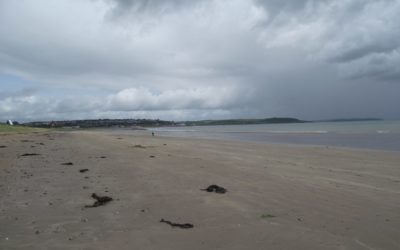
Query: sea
[[377, 135]]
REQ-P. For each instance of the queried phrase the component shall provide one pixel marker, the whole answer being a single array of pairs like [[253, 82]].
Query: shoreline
[[235, 140], [382, 135], [285, 144], [278, 196]]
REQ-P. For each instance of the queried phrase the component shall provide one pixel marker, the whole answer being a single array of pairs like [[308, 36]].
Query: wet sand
[[279, 196]]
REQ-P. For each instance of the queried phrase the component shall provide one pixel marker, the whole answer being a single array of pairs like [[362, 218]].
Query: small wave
[[176, 131], [298, 132], [383, 131], [244, 132]]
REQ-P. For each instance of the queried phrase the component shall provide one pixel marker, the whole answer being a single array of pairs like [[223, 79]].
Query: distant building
[[9, 122]]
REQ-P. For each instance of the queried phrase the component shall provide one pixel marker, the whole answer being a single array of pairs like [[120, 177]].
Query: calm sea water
[[383, 135]]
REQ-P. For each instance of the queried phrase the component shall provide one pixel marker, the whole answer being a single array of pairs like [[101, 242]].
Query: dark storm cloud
[[352, 35]]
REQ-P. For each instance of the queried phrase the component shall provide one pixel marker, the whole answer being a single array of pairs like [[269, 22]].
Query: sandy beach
[[278, 196]]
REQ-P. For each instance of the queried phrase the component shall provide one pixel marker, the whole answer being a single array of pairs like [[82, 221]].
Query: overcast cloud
[[177, 59]]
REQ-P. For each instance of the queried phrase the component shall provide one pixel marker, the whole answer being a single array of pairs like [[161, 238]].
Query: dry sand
[[279, 197]]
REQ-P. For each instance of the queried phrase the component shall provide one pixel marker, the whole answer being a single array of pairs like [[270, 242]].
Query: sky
[[204, 59]]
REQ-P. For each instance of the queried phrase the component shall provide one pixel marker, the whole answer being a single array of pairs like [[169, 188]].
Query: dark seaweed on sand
[[172, 224], [67, 163], [100, 200], [30, 154], [215, 188]]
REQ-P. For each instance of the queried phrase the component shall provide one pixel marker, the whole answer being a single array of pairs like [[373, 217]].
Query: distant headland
[[273, 120]]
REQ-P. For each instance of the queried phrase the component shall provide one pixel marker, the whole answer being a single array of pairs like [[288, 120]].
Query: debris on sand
[[152, 156], [267, 216], [30, 154], [83, 170], [138, 146], [172, 224], [26, 141], [103, 157], [3, 146], [67, 163], [215, 188], [100, 200]]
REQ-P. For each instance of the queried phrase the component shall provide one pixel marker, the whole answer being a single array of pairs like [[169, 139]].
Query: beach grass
[[7, 129]]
